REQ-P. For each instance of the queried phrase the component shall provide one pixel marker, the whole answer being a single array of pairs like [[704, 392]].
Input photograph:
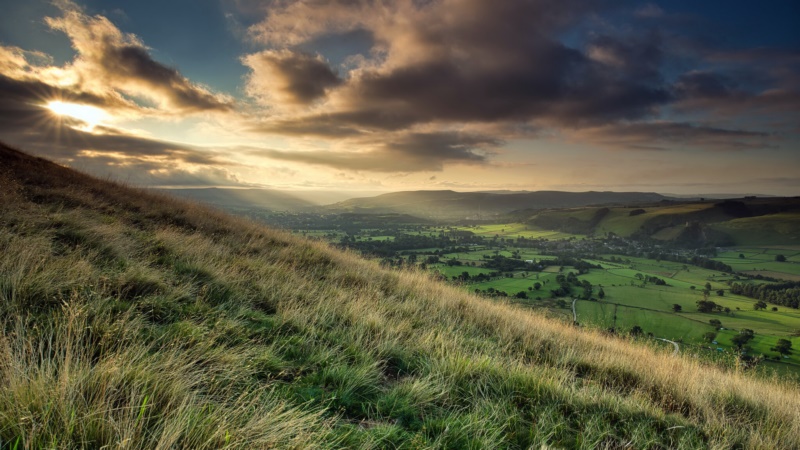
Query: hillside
[[745, 221], [134, 320], [460, 205]]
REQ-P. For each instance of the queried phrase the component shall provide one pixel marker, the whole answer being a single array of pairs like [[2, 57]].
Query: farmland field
[[658, 296], [629, 300]]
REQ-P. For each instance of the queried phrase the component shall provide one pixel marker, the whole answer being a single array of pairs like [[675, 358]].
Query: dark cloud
[[134, 66], [674, 135], [412, 152], [290, 77], [704, 84], [475, 61], [724, 96], [477, 65]]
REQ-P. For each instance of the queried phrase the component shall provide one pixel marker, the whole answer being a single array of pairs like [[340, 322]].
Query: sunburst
[[91, 116]]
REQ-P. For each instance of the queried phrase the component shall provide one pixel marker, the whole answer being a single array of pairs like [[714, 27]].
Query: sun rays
[[90, 116]]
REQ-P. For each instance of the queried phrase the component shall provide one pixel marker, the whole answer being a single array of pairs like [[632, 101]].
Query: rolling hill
[[745, 221], [135, 320], [459, 205]]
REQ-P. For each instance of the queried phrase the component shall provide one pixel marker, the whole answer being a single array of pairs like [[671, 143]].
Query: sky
[[371, 96]]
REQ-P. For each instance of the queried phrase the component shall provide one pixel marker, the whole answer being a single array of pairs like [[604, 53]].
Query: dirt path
[[677, 348], [574, 314]]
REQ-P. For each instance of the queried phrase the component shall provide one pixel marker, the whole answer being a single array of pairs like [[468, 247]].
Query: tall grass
[[132, 320]]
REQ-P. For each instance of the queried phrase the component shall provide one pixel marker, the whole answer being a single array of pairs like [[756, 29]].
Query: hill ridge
[[448, 204]]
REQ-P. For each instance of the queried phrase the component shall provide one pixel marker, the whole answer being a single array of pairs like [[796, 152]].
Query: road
[[677, 348], [574, 314]]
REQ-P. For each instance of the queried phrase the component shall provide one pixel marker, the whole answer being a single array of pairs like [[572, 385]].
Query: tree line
[[785, 294]]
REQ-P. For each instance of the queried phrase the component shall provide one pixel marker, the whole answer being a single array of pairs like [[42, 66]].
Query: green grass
[[761, 260], [161, 324], [650, 306]]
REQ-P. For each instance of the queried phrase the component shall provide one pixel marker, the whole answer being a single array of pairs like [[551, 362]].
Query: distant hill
[[460, 205], [745, 221]]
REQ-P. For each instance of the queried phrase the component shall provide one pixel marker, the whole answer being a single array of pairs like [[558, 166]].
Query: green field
[[514, 230], [630, 302], [761, 260]]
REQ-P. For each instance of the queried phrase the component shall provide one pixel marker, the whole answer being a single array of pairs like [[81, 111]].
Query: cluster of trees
[[785, 294], [651, 279], [707, 306], [570, 281], [503, 264], [402, 241], [492, 292]]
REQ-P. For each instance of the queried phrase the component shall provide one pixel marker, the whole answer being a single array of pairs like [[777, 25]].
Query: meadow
[[628, 302]]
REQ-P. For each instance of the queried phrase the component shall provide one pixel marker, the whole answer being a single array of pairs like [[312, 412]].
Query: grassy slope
[[135, 321], [772, 229]]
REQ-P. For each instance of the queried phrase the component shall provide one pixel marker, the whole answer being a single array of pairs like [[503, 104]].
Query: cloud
[[649, 11], [107, 59], [288, 77], [113, 71], [157, 170], [663, 135], [27, 124], [506, 70], [472, 61], [409, 152]]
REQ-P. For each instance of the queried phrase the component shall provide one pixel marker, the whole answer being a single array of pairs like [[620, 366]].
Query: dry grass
[[136, 321]]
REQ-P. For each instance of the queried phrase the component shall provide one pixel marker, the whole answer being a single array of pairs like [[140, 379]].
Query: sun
[[90, 115]]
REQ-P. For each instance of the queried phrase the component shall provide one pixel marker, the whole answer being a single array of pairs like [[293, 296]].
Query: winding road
[[574, 314], [677, 348]]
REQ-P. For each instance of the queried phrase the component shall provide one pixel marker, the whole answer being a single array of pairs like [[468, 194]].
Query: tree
[[601, 293], [709, 336], [744, 336], [720, 292], [677, 308], [706, 306], [537, 285], [708, 286], [783, 346], [741, 255], [522, 295], [715, 322], [636, 330], [759, 305], [780, 258]]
